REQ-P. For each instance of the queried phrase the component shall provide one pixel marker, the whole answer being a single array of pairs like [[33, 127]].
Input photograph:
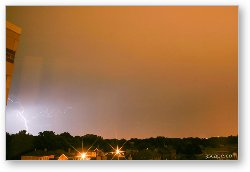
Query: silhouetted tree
[[18, 144], [149, 148]]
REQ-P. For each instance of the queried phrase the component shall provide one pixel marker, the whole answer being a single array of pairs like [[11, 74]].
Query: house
[[63, 157], [38, 155]]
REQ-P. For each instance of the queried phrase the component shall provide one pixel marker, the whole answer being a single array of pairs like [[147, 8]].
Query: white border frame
[[244, 96]]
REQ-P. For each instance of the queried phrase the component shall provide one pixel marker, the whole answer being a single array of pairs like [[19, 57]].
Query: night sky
[[124, 72]]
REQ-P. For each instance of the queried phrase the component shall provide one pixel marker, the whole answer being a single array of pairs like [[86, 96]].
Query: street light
[[83, 156], [117, 152]]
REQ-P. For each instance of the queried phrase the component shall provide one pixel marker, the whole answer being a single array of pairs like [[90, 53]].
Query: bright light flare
[[117, 151], [83, 156]]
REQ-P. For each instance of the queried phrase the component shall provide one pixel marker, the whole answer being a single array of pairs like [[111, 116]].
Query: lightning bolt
[[47, 112], [20, 112]]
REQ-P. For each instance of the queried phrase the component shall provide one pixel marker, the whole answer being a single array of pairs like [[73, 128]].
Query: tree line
[[23, 142]]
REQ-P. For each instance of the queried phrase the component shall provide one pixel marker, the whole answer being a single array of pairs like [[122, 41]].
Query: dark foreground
[[50, 146]]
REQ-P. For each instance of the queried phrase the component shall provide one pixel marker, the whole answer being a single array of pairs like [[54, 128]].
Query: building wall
[[35, 157], [12, 39]]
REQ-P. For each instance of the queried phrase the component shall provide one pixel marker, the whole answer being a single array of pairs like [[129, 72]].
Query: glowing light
[[118, 152], [44, 112], [83, 156], [20, 112]]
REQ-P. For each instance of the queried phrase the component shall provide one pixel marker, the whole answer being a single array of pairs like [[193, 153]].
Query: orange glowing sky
[[127, 71]]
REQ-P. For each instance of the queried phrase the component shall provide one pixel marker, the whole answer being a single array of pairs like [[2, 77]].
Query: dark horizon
[[123, 137], [52, 146]]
